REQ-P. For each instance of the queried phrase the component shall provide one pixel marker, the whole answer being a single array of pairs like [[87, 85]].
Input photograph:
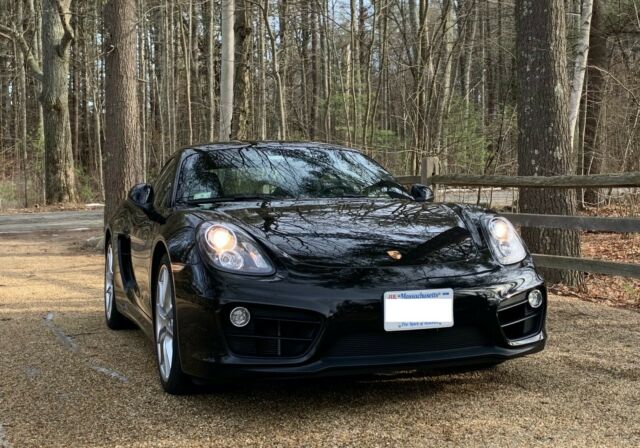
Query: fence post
[[429, 167]]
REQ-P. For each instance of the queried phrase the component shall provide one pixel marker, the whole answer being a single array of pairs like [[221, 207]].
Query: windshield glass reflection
[[282, 173]]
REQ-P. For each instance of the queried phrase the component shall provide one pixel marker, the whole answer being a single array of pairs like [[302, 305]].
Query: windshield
[[282, 173]]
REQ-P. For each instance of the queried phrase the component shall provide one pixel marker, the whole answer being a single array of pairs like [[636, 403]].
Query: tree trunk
[[354, 58], [57, 37], [543, 119], [383, 38], [280, 92], [142, 56], [188, 57], [448, 36], [74, 90], [596, 62], [316, 72], [226, 80], [262, 128], [327, 72], [123, 166], [425, 76], [243, 43], [282, 77], [171, 92], [37, 129], [580, 66], [211, 72], [468, 62], [366, 54], [166, 70], [22, 90]]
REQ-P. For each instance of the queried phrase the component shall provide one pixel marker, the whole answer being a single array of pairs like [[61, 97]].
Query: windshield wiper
[[234, 198], [391, 189]]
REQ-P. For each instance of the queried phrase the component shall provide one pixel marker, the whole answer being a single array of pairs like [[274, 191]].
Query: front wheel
[[173, 380], [115, 320]]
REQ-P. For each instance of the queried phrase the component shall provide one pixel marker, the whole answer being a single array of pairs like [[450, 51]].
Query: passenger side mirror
[[422, 193], [142, 196]]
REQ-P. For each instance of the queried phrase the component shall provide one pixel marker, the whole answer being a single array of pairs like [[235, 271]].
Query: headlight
[[231, 249], [504, 241]]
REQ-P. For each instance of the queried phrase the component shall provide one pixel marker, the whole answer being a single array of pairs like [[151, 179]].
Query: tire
[[165, 331], [114, 319]]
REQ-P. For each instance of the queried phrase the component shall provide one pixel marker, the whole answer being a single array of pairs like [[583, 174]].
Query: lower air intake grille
[[400, 343], [273, 332], [518, 320]]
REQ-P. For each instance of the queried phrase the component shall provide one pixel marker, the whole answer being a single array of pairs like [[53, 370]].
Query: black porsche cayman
[[301, 259]]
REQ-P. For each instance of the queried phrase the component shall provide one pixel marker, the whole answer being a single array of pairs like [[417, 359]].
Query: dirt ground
[[66, 380]]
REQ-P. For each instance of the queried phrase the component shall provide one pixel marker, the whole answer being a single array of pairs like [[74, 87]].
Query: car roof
[[265, 145]]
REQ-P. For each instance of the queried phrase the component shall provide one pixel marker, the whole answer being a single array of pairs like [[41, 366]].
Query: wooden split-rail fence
[[430, 175]]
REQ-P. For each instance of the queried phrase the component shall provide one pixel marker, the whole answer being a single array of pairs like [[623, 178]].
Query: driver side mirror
[[422, 193], [142, 196]]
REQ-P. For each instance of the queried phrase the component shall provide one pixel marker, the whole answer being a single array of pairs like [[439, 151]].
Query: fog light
[[535, 298], [239, 316]]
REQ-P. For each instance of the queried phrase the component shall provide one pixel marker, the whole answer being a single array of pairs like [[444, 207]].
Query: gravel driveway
[[65, 380]]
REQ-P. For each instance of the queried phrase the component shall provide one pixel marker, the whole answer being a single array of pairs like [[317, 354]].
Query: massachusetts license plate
[[418, 310]]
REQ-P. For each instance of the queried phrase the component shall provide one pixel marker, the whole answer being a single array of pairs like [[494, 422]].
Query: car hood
[[355, 233]]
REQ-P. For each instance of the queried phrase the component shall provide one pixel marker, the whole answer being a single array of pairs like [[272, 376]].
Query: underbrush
[[12, 193], [624, 248], [8, 197]]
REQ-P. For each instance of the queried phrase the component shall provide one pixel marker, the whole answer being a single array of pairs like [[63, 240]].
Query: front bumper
[[305, 326], [326, 367]]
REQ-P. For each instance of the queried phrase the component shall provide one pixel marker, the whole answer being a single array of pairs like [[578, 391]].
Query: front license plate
[[418, 310]]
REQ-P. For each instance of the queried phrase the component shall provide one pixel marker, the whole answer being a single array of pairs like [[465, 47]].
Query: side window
[[163, 186], [199, 178]]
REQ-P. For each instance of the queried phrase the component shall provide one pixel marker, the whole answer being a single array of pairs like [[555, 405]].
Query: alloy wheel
[[108, 282], [164, 322]]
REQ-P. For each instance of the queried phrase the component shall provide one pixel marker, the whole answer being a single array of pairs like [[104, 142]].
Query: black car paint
[[349, 233], [342, 279]]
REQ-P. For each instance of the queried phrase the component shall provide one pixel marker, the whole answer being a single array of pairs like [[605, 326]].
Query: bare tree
[[211, 72], [57, 37], [22, 90], [580, 67], [186, 38], [275, 61], [596, 82], [400, 79], [243, 43], [226, 80], [262, 68], [123, 166]]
